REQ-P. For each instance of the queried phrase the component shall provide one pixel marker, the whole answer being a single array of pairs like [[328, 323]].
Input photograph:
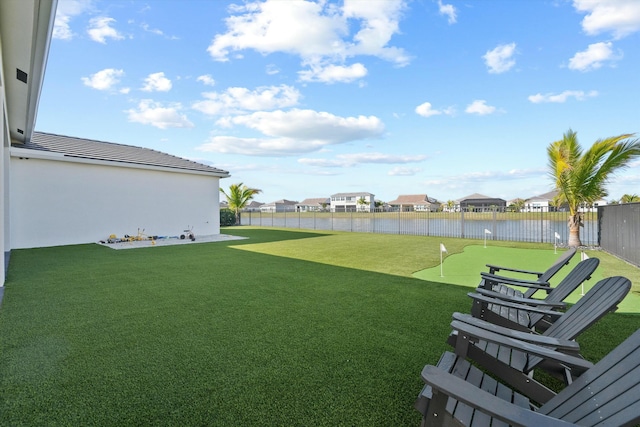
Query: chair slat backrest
[[599, 300], [551, 271], [607, 394], [579, 274], [557, 266]]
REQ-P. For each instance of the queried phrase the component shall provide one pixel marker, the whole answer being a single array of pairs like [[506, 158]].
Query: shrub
[[227, 217]]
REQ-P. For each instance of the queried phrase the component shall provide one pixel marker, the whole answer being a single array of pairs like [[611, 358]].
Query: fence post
[[461, 222], [494, 225]]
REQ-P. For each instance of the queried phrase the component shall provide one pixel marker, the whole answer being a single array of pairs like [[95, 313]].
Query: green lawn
[[285, 328]]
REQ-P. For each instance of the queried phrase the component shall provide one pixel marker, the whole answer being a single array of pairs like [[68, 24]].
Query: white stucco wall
[[60, 202]]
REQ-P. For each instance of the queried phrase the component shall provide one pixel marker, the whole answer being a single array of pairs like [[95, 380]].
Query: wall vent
[[21, 75]]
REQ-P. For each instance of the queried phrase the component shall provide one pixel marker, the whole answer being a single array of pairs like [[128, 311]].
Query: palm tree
[[630, 198], [517, 205], [238, 198], [450, 205], [362, 202], [580, 176]]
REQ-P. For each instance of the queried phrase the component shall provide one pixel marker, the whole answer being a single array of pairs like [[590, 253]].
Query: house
[[67, 190], [25, 35], [353, 202], [253, 206], [414, 202], [318, 204], [542, 203], [279, 206], [480, 203], [58, 190]]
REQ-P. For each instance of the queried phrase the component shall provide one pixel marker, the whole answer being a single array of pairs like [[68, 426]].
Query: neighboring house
[[353, 202], [541, 203], [319, 204], [67, 190], [414, 202], [279, 206], [594, 206], [480, 203], [253, 206]]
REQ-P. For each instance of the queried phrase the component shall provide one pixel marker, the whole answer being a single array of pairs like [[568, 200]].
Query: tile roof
[[351, 194], [315, 201], [111, 152], [413, 199]]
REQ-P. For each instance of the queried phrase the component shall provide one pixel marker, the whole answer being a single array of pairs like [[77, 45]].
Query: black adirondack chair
[[505, 353], [608, 394], [493, 281], [507, 309]]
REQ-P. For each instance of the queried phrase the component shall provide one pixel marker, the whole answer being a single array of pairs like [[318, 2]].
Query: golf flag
[[486, 231], [584, 256], [442, 248], [557, 235]]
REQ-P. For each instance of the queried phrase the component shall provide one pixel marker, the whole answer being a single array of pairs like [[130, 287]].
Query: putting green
[[464, 269]]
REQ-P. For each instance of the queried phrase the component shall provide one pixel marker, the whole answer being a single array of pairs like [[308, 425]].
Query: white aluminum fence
[[540, 226]]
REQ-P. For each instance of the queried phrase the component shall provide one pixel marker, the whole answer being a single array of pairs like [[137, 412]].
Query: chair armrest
[[533, 284], [521, 300], [572, 363], [516, 305], [456, 388], [533, 338], [494, 268]]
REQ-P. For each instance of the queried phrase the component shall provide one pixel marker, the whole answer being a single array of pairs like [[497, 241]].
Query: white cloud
[[500, 59], [562, 97], [65, 12], [100, 29], [594, 57], [333, 73], [381, 158], [272, 69], [480, 107], [155, 114], [427, 110], [403, 171], [239, 99], [294, 132], [448, 10], [103, 80], [317, 32], [620, 17], [206, 80], [157, 82], [148, 29], [354, 159]]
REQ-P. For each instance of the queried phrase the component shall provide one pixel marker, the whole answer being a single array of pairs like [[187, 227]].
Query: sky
[[305, 99]]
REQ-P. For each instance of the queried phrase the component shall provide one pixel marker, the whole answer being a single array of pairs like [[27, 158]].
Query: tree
[[238, 197], [580, 176], [362, 202], [630, 198], [451, 205], [517, 205]]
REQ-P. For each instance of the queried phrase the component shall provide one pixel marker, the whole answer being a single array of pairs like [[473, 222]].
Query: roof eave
[[26, 29], [48, 155]]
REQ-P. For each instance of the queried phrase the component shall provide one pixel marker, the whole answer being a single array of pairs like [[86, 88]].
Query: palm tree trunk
[[575, 221]]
